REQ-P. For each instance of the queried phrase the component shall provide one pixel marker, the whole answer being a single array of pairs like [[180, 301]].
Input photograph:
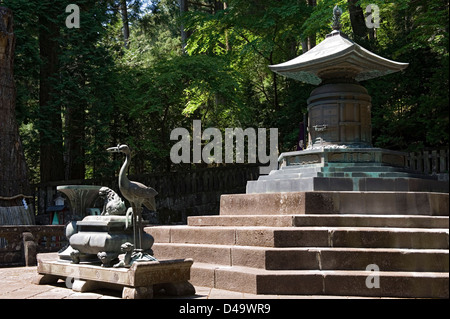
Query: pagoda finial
[[337, 12]]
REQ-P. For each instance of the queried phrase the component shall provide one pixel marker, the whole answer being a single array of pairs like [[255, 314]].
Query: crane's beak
[[114, 149]]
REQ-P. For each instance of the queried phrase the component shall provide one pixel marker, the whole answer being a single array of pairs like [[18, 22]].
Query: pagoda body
[[340, 155]]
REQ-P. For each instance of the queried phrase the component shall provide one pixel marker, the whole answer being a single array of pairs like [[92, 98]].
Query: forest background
[[137, 69]]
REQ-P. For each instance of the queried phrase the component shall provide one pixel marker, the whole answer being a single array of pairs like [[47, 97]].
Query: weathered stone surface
[[318, 258], [392, 284], [347, 220], [337, 283], [213, 254], [291, 282], [45, 279], [137, 293], [346, 184], [245, 220], [326, 240], [183, 288], [237, 279], [267, 204], [345, 169], [138, 279], [298, 203], [368, 237], [417, 260], [394, 238], [203, 274], [356, 220], [183, 234]]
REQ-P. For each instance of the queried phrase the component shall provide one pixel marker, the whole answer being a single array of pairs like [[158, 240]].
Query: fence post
[[411, 161], [434, 163], [443, 161], [29, 249]]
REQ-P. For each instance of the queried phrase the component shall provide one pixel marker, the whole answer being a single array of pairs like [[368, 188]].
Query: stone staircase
[[317, 243]]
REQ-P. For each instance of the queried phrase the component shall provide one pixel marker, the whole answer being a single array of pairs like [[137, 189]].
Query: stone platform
[[137, 282], [318, 243], [323, 202], [345, 169]]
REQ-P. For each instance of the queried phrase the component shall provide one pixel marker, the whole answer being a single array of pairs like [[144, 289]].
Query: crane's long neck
[[123, 179]]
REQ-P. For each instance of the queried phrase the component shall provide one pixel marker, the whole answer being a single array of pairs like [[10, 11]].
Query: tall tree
[[126, 26], [358, 22], [50, 122], [184, 8], [13, 169]]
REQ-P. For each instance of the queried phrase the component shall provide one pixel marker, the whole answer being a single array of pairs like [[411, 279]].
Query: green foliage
[[137, 95], [413, 113]]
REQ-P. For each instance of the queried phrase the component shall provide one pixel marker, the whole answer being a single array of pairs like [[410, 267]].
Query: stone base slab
[[366, 203], [348, 169], [337, 220], [137, 282], [397, 284], [343, 155]]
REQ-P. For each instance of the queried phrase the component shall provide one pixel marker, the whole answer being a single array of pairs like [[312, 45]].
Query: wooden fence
[[181, 194], [430, 162], [13, 248]]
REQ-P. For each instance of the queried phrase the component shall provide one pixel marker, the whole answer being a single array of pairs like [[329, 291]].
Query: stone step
[[359, 164], [371, 174], [366, 203], [366, 174], [393, 259], [364, 237], [350, 220], [287, 176], [296, 170], [343, 184], [322, 282], [345, 171], [360, 168]]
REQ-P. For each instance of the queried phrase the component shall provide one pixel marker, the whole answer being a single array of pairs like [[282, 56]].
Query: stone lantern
[[340, 155]]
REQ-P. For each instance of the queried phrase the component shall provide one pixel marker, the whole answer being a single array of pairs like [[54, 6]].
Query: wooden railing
[[181, 194], [14, 250], [430, 162]]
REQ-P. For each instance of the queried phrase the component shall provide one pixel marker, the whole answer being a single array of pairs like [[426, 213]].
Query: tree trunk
[[126, 28], [309, 42], [312, 38], [184, 7], [358, 22], [228, 45], [50, 123], [74, 142], [13, 168]]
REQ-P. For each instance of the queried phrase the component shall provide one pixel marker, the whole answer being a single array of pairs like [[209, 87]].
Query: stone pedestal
[[341, 168], [104, 234], [139, 281]]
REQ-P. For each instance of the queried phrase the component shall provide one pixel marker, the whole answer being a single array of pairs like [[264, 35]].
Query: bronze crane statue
[[136, 193]]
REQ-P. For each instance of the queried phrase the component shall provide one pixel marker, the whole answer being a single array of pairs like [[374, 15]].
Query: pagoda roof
[[341, 55]]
